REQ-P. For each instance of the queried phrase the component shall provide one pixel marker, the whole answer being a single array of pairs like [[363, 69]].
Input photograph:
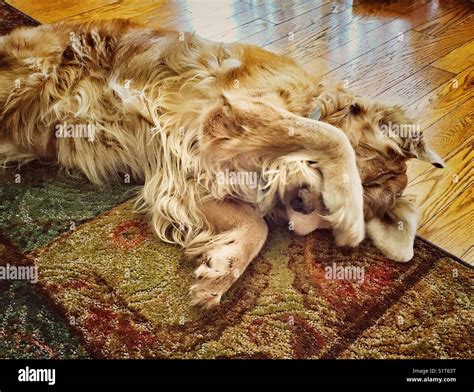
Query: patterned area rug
[[107, 288]]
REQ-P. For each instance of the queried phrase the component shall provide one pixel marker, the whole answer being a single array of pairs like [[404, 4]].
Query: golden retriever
[[221, 135]]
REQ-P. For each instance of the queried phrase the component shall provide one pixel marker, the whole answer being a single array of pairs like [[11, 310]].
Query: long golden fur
[[179, 113]]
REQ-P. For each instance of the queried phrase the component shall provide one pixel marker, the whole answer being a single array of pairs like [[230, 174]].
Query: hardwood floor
[[419, 54]]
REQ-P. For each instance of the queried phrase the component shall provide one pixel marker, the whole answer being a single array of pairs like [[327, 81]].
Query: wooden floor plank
[[318, 65], [452, 129], [144, 11], [452, 228], [420, 84], [47, 11], [446, 201], [329, 29], [445, 135], [337, 28], [406, 6], [444, 21], [469, 254], [266, 9], [430, 16], [457, 60], [437, 189], [399, 58], [445, 116], [242, 32], [283, 36], [431, 12], [441, 101], [209, 18], [209, 26], [286, 14], [363, 42]]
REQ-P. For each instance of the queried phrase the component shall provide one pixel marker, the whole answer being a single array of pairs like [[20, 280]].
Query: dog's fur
[[174, 111]]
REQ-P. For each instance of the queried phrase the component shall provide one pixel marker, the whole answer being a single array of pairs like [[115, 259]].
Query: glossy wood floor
[[419, 54]]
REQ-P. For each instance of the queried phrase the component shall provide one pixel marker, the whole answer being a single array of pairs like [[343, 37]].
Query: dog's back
[[105, 73]]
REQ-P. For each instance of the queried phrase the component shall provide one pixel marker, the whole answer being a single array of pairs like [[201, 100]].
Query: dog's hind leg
[[240, 234]]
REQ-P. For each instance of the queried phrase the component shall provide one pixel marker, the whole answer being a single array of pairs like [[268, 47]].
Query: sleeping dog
[[223, 137]]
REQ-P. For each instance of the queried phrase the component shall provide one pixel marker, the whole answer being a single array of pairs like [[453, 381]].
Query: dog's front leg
[[240, 234], [254, 129]]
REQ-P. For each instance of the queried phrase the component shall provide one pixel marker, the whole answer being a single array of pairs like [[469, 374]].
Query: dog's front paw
[[210, 287], [214, 266], [214, 277], [352, 235], [207, 292]]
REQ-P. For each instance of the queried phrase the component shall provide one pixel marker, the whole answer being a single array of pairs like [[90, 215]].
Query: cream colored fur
[[174, 112]]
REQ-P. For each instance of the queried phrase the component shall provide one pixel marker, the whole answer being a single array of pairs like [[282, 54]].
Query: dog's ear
[[408, 136], [422, 151], [394, 233]]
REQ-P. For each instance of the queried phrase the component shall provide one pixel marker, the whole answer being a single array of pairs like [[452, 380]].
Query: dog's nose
[[305, 201], [299, 206]]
